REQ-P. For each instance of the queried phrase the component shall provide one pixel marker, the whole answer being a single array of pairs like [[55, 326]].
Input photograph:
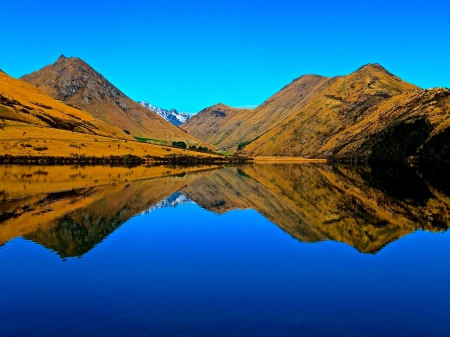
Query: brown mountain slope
[[73, 81], [34, 124], [23, 103], [364, 122], [226, 127], [344, 102], [215, 124], [376, 130], [345, 116]]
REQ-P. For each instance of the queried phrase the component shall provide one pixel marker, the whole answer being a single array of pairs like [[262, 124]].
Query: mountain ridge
[[335, 118]]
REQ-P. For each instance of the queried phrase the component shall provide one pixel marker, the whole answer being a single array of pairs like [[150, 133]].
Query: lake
[[254, 250]]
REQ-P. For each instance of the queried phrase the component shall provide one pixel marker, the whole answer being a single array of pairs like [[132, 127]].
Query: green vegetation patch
[[244, 144], [225, 153], [151, 140], [180, 144]]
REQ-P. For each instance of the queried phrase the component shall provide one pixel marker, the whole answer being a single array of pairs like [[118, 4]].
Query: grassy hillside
[[21, 102], [34, 124], [369, 114], [343, 102]]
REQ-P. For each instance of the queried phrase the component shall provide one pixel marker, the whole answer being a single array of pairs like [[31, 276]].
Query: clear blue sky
[[192, 54]]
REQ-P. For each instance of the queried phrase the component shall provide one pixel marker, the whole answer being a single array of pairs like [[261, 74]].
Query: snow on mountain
[[172, 115], [172, 201]]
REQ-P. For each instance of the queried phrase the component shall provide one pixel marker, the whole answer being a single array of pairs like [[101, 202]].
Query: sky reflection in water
[[189, 271]]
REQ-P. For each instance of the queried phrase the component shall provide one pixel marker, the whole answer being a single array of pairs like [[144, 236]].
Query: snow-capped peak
[[172, 115]]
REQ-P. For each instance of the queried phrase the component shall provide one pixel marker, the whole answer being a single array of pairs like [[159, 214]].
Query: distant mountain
[[171, 201], [172, 115], [73, 81], [227, 127]]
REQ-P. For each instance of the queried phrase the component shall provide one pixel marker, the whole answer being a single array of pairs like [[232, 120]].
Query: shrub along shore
[[126, 160]]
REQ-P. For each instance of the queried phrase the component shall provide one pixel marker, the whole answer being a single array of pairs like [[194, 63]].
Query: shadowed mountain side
[[73, 81], [319, 202], [378, 133], [45, 199]]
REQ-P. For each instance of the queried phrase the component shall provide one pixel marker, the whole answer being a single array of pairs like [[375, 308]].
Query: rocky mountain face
[[74, 82], [23, 103], [172, 115], [339, 118]]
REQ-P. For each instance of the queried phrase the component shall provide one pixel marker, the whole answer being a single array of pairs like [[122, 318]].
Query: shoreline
[[287, 159]]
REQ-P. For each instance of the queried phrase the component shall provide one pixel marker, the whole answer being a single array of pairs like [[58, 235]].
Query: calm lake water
[[257, 250]]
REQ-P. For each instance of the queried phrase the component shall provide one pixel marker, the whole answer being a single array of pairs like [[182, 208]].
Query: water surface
[[257, 250]]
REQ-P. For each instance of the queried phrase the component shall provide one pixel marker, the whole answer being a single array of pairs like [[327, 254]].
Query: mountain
[[74, 82], [343, 117], [27, 108], [215, 124], [172, 115], [226, 127]]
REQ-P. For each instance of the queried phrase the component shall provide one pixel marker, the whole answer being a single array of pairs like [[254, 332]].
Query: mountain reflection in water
[[71, 210]]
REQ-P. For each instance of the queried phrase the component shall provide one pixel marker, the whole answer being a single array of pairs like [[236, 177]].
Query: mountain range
[[74, 82], [172, 115], [370, 114]]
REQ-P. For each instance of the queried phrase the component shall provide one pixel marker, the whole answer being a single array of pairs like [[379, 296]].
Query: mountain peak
[[172, 115], [75, 82], [375, 68]]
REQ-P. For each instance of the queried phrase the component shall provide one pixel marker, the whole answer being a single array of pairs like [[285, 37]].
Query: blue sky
[[193, 54]]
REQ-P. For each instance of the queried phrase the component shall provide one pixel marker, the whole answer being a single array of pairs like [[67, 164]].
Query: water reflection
[[71, 210]]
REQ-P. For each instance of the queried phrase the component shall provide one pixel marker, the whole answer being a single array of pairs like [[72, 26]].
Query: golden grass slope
[[21, 102], [73, 81], [344, 102], [21, 139], [226, 127]]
